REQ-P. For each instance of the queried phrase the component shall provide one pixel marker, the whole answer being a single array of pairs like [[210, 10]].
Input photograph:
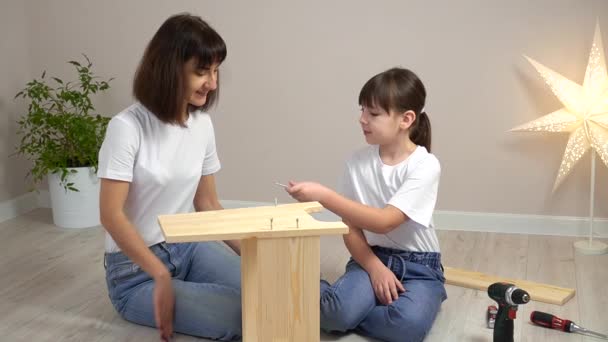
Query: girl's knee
[[339, 315], [342, 321]]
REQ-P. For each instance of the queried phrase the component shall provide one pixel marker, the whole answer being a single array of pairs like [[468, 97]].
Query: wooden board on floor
[[480, 281]]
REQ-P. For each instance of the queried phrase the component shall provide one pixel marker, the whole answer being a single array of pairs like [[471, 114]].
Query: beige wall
[[15, 72], [290, 84]]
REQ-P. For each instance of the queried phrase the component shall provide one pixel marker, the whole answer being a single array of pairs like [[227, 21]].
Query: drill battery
[[491, 316]]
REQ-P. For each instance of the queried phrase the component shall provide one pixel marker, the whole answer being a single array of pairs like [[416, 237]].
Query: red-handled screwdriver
[[550, 321]]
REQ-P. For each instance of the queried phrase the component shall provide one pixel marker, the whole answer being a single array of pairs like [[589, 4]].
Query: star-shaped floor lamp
[[585, 118]]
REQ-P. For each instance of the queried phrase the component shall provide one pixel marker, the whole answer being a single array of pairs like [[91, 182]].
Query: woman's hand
[[164, 304], [386, 286], [307, 191]]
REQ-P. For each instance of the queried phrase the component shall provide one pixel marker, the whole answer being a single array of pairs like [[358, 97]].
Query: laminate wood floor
[[52, 286]]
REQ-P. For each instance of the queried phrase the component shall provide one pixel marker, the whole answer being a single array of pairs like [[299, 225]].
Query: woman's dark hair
[[400, 90], [159, 82]]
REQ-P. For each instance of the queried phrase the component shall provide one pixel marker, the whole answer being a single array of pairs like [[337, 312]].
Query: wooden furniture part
[[280, 263], [480, 281]]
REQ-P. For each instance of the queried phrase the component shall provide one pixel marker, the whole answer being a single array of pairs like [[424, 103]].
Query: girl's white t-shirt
[[163, 162], [411, 186]]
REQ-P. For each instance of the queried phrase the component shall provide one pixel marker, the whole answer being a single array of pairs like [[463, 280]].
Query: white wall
[[288, 107], [14, 73]]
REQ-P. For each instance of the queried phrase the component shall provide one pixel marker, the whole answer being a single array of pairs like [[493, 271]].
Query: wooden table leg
[[280, 289]]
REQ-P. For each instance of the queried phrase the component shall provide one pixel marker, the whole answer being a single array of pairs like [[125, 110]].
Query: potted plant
[[61, 136]]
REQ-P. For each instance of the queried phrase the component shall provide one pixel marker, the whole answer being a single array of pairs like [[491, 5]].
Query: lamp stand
[[591, 247]]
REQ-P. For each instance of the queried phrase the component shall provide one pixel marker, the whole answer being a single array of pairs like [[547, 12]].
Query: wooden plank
[[480, 281], [280, 292], [244, 223]]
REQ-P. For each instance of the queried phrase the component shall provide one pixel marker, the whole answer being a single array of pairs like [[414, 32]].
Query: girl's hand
[[386, 286], [307, 191], [164, 303]]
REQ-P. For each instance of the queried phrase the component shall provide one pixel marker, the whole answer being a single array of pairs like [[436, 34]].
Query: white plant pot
[[75, 209]]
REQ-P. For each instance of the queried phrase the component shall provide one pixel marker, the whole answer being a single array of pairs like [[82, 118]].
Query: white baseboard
[[519, 224], [18, 206], [446, 220]]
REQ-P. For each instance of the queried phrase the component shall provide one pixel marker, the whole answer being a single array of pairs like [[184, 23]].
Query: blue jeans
[[206, 283], [351, 304]]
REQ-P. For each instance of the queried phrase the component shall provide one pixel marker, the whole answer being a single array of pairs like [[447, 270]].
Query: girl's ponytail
[[421, 132]]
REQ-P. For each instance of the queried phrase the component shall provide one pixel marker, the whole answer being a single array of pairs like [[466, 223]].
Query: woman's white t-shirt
[[163, 163], [410, 186]]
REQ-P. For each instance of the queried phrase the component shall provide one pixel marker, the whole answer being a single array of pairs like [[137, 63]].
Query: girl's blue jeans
[[351, 304], [206, 284]]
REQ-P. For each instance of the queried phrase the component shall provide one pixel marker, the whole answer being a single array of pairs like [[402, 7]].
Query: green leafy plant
[[59, 130]]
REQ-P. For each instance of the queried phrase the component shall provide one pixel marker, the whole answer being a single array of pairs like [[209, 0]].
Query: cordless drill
[[508, 296]]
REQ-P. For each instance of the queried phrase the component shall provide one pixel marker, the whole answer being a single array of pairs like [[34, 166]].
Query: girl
[[394, 285], [159, 157]]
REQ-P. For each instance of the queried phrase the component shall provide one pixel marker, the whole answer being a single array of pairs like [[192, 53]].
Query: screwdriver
[[550, 321]]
